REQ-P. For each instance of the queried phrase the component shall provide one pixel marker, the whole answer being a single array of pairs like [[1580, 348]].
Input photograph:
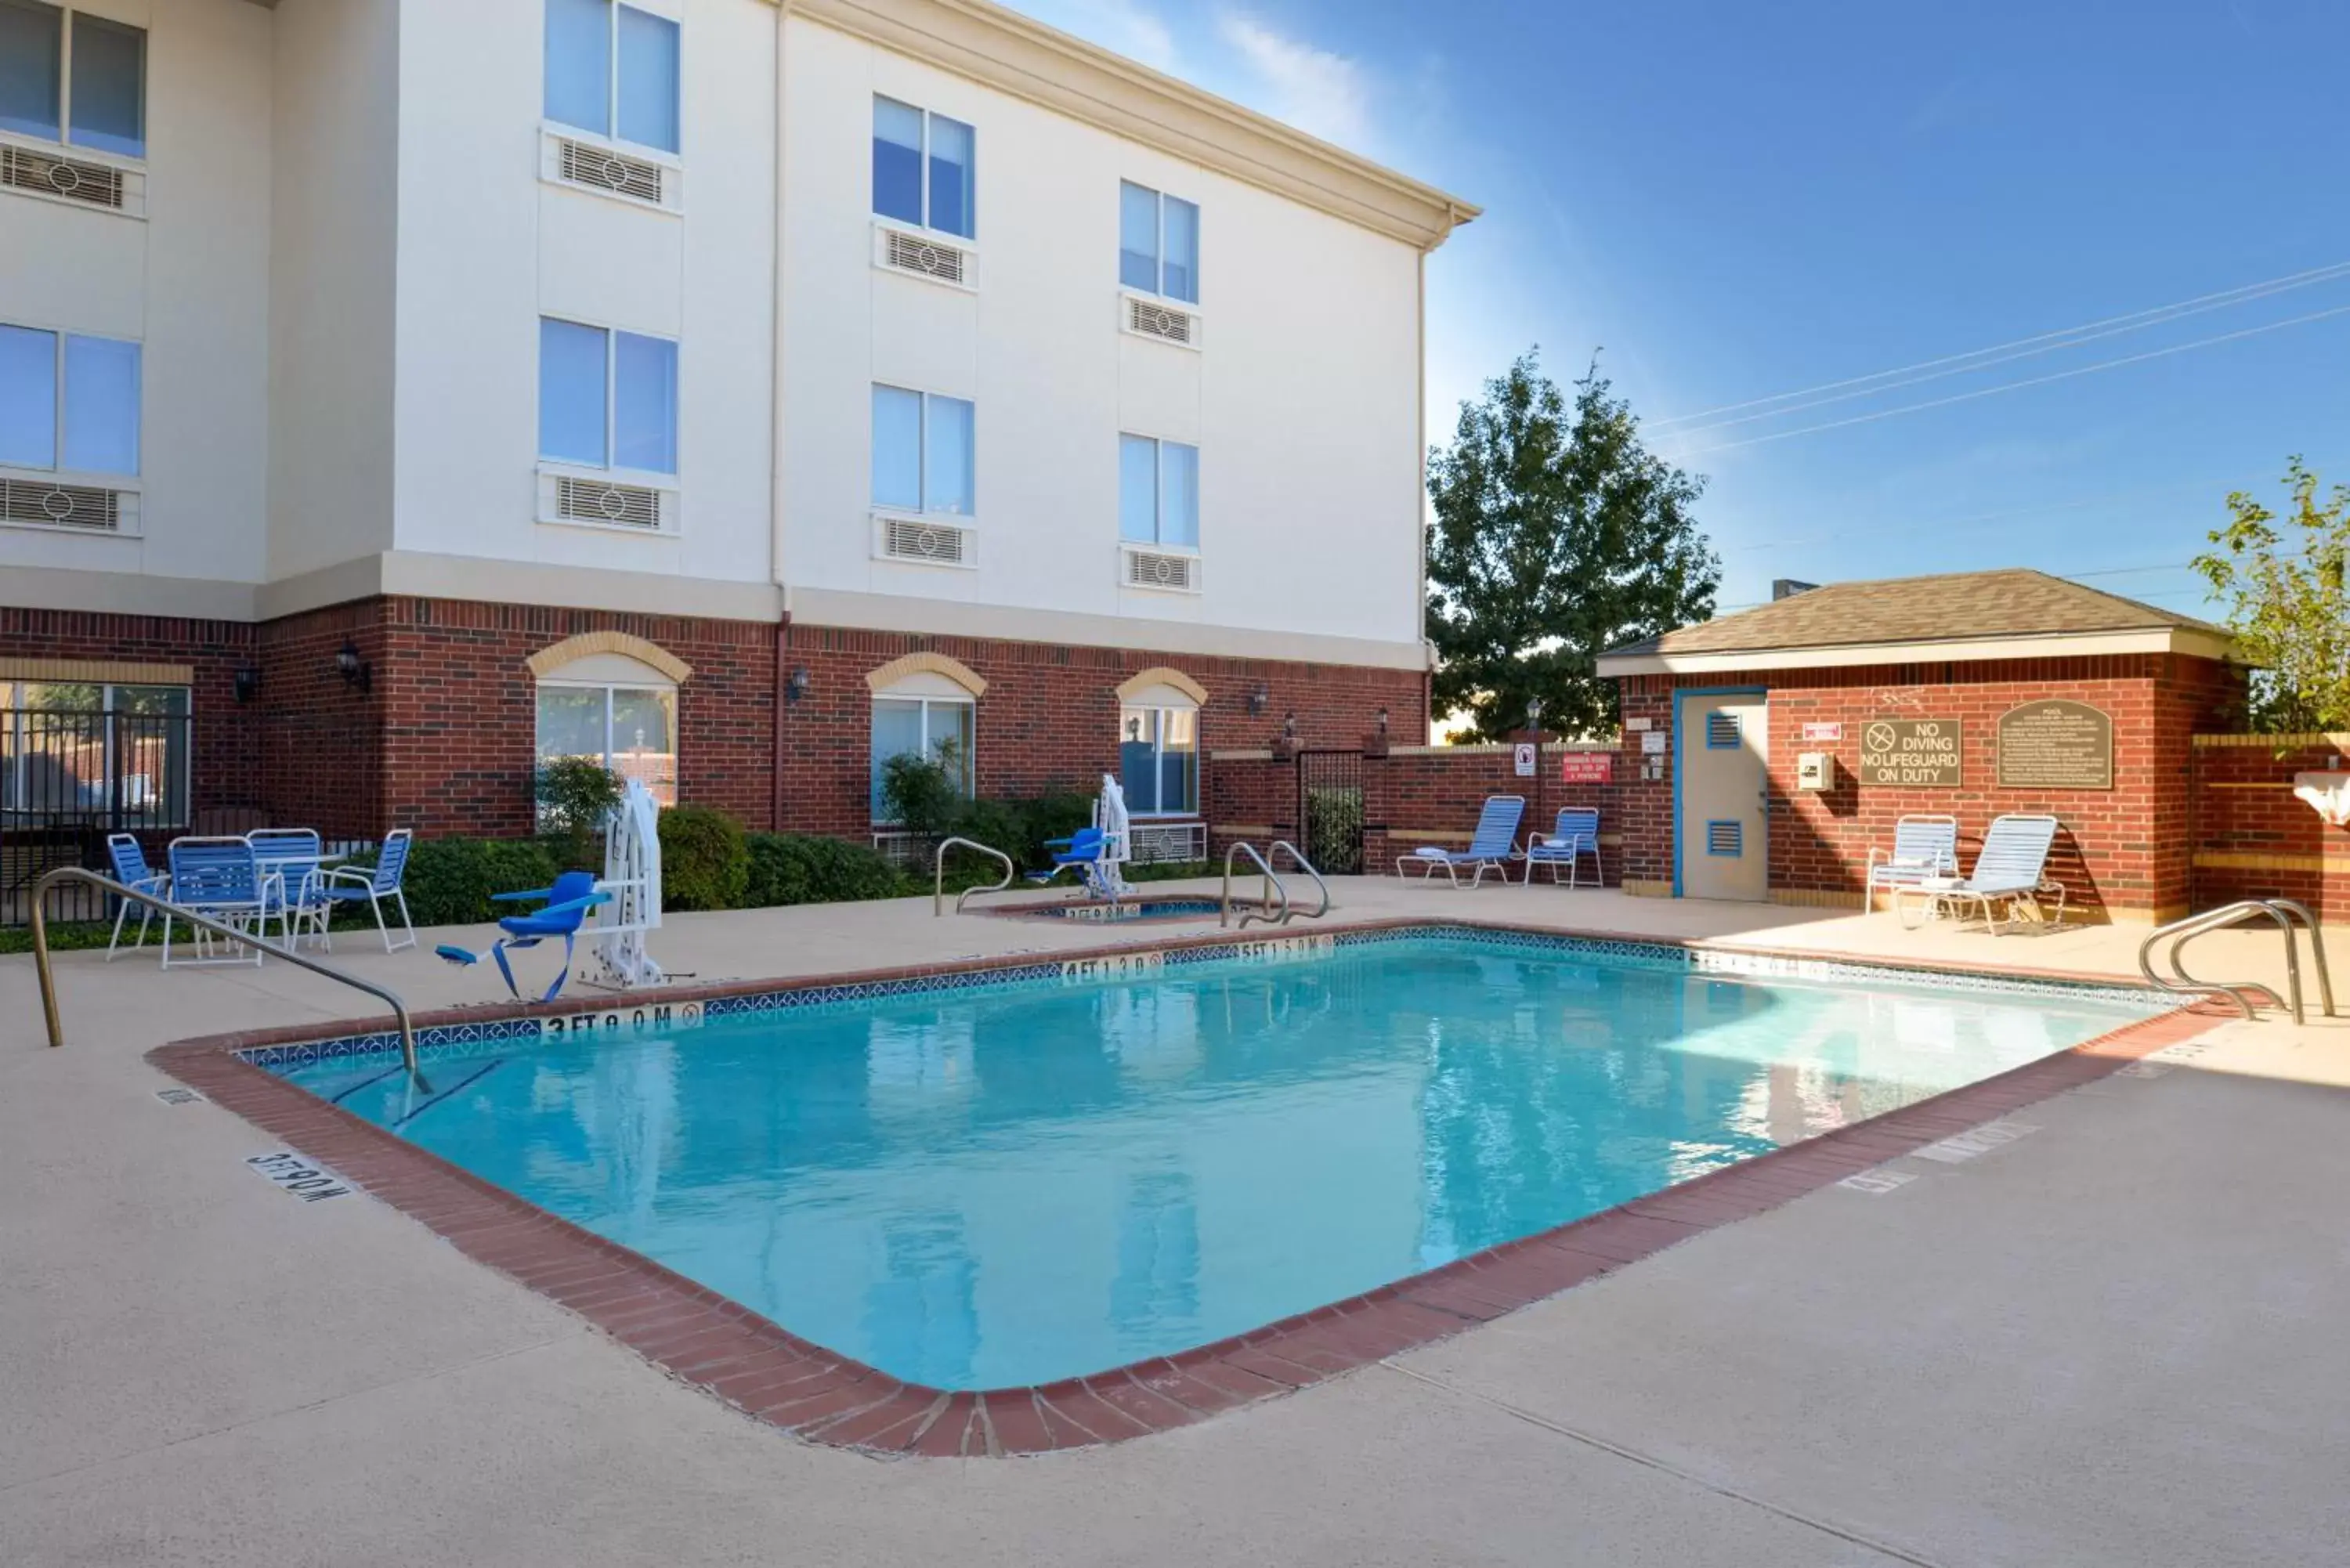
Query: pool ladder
[[2284, 912], [1273, 893]]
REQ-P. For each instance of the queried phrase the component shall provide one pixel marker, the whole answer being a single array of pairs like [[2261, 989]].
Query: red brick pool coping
[[716, 1344]]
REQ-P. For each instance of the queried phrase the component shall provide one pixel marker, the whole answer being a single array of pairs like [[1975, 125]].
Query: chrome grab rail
[[1273, 883], [1308, 867], [938, 875], [203, 923], [2284, 912]]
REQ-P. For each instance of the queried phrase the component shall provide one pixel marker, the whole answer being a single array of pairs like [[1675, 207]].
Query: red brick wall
[[1049, 720], [2254, 838]]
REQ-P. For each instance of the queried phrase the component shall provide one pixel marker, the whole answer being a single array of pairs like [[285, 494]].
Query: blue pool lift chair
[[1086, 852], [1572, 839], [568, 903], [1491, 849], [130, 868]]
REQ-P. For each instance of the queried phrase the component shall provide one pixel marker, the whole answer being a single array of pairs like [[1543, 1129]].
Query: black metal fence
[[70, 779], [1330, 810]]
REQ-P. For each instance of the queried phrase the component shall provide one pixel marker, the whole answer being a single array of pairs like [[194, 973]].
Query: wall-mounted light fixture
[[1289, 725], [355, 670], [1383, 722], [248, 684], [1533, 712], [1260, 700], [795, 684]]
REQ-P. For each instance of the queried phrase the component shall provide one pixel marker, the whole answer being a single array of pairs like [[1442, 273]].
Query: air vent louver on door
[[600, 501], [84, 506], [72, 179], [601, 169], [1162, 321], [902, 251], [919, 539], [1156, 569], [1721, 730], [1727, 838]]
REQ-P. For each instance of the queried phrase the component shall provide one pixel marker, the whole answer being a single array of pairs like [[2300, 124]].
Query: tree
[[1557, 537], [2287, 604]]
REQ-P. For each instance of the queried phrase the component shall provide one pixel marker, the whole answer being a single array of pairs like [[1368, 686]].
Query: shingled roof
[[1942, 613]]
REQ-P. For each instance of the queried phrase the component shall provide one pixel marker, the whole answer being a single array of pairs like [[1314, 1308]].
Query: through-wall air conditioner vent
[[921, 539], [88, 507], [70, 178], [902, 251], [1162, 321], [602, 168], [600, 501], [1158, 569]]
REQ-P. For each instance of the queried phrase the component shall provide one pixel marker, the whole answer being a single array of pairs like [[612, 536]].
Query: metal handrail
[[938, 875], [1273, 883], [202, 923], [1308, 867], [2283, 911]]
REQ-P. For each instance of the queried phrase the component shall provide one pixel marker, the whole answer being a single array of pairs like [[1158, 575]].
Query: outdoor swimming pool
[[994, 1184]]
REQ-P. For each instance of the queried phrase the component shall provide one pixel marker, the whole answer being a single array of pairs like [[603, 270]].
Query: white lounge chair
[[1490, 847], [2012, 868], [1923, 846]]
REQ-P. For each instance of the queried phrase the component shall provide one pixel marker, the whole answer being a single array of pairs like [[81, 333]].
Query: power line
[[2203, 301], [1985, 364], [2019, 386]]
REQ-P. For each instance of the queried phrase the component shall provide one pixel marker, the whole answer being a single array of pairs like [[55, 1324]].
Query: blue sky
[[1735, 201]]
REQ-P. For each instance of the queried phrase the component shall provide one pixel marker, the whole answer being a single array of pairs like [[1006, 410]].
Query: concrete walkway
[[2115, 1340]]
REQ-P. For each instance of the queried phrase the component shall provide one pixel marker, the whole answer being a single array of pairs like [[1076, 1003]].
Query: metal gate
[[67, 779], [1330, 810]]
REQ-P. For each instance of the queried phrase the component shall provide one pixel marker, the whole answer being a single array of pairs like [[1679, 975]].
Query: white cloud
[[1321, 93]]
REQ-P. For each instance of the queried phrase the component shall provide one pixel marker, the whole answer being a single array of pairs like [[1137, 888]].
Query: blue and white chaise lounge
[[1491, 849], [2012, 868]]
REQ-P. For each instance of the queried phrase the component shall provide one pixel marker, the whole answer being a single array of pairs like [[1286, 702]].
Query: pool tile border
[[717, 1344]]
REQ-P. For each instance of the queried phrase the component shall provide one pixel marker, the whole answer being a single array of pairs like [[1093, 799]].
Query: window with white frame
[[629, 724], [1158, 756], [920, 718], [1157, 243], [924, 168], [70, 77], [607, 399], [85, 750], [923, 456], [1157, 492], [612, 70], [69, 402]]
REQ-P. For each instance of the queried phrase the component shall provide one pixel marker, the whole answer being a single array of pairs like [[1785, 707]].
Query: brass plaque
[[1910, 754], [2055, 744]]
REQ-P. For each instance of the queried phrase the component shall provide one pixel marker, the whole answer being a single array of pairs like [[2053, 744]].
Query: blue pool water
[[1013, 1184]]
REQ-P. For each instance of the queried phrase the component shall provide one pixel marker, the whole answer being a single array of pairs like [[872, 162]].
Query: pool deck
[[2115, 1339]]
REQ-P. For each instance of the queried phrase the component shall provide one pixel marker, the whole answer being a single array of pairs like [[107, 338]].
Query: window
[[613, 70], [86, 752], [69, 402], [937, 727], [923, 451], [607, 399], [79, 73], [922, 169], [1157, 492], [631, 729], [1158, 760], [1157, 243]]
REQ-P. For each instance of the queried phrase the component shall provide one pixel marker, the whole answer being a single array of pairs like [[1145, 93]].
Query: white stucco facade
[[351, 232]]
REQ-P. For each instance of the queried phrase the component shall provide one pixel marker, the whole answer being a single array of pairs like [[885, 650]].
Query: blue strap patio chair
[[1573, 838], [220, 880], [128, 862], [352, 884], [291, 884], [2012, 869], [568, 903], [1923, 845], [1491, 849]]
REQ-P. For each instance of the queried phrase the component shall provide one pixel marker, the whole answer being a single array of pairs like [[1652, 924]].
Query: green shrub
[[449, 880], [577, 797], [924, 793], [798, 869], [1333, 828], [705, 863]]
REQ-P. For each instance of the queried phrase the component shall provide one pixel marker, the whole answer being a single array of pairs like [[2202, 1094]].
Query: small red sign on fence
[[1588, 768]]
